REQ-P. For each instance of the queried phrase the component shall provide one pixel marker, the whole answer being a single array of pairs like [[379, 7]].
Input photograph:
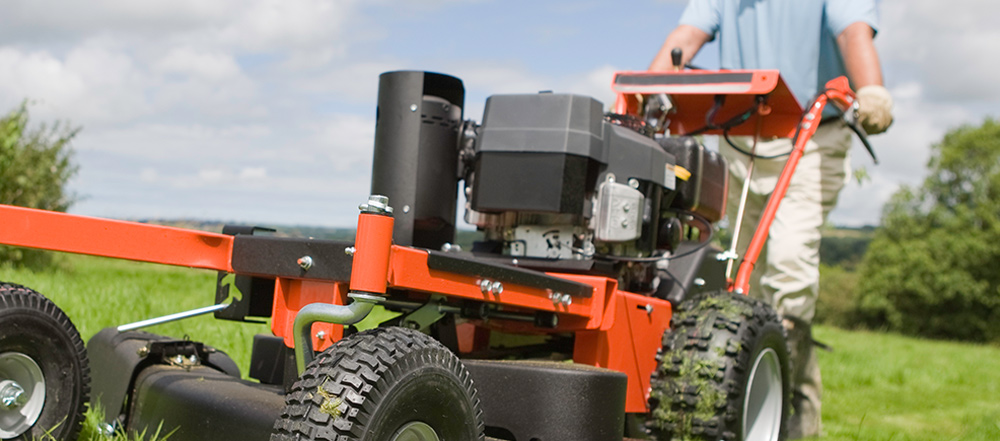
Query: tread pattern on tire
[[14, 296], [696, 388], [358, 370]]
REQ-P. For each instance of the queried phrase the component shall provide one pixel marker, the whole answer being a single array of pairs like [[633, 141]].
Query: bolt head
[[321, 335], [496, 288], [567, 300], [377, 204], [413, 107], [485, 286], [305, 262], [633, 182], [350, 251], [12, 395]]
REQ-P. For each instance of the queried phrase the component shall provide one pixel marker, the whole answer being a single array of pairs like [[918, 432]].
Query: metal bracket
[[425, 316]]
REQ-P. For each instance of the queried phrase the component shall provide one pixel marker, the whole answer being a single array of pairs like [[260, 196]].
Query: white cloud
[[356, 81], [499, 78], [947, 46], [90, 84], [210, 176], [253, 173], [173, 55], [596, 83], [258, 25], [56, 19], [159, 142], [148, 175], [302, 27], [95, 84], [344, 142], [191, 62]]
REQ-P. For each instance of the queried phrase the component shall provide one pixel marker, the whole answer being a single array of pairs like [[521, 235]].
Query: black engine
[[548, 177]]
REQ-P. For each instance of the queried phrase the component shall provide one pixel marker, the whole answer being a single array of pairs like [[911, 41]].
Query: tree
[[931, 268], [35, 164]]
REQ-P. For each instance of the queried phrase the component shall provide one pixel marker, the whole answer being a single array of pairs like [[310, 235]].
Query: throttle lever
[[676, 58]]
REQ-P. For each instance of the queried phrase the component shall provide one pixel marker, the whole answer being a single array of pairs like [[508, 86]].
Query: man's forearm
[[860, 58], [686, 37]]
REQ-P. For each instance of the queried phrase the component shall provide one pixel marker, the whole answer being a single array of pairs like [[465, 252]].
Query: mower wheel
[[44, 374], [723, 372], [384, 384]]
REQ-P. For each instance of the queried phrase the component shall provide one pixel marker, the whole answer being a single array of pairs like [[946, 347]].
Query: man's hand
[[862, 65], [874, 109]]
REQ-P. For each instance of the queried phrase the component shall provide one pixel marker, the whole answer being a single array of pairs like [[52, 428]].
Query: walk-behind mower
[[595, 307]]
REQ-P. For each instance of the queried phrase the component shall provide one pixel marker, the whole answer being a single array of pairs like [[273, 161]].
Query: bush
[[836, 305], [35, 164], [931, 269]]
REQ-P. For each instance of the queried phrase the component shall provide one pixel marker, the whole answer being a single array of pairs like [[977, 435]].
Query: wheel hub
[[22, 393], [763, 400], [416, 431]]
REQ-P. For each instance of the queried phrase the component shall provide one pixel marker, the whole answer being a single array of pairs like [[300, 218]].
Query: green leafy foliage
[[35, 164], [931, 269], [836, 304]]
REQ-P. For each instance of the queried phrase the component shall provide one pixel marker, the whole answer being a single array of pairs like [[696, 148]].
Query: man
[[809, 42]]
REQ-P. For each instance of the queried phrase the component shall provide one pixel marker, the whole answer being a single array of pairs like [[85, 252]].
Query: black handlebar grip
[[675, 57]]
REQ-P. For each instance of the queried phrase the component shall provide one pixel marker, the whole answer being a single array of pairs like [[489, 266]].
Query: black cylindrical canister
[[418, 120]]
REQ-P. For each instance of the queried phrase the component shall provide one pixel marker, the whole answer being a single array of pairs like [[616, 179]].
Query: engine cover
[[554, 179], [545, 153]]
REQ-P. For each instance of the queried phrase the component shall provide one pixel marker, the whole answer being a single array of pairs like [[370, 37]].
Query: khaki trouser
[[787, 271]]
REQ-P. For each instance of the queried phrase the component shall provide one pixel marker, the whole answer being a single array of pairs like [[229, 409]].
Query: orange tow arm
[[111, 238]]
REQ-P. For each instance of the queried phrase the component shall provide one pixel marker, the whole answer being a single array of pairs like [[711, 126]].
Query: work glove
[[874, 109]]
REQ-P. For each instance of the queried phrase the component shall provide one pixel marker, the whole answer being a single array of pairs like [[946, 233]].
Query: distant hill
[[844, 246]]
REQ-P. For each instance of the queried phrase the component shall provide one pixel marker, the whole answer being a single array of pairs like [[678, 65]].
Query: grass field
[[878, 387]]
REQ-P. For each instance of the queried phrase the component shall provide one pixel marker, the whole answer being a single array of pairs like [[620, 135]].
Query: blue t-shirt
[[797, 37]]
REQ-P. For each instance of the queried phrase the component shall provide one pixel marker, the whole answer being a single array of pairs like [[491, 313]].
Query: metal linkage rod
[[172, 317]]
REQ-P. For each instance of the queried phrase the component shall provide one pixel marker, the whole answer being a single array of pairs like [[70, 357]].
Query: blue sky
[[263, 110]]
